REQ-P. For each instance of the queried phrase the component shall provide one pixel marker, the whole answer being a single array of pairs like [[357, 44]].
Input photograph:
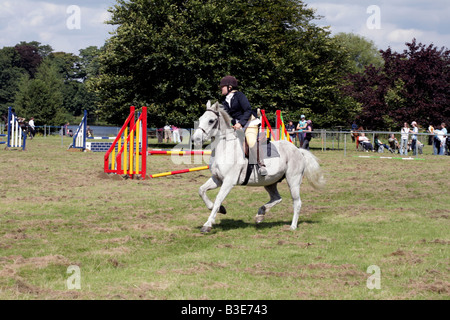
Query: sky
[[71, 25], [65, 25], [388, 23]]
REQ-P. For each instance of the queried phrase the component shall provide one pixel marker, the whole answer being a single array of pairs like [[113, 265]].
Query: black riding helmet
[[229, 81]]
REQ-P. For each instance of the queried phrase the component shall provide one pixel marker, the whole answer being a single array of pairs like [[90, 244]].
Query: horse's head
[[214, 120]]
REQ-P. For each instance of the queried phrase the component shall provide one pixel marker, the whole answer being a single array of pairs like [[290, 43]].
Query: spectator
[[415, 131], [443, 138], [365, 142], [290, 128], [354, 128], [356, 135], [437, 142], [308, 135], [90, 132], [5, 120], [66, 129], [430, 137], [300, 127], [404, 139], [447, 145], [393, 142], [160, 135], [176, 134], [380, 146], [32, 128], [167, 133]]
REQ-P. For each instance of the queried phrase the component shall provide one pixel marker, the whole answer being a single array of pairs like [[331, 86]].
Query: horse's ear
[[208, 104], [216, 106]]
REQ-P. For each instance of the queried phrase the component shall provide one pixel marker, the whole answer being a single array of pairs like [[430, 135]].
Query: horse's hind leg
[[294, 186], [275, 199], [210, 185]]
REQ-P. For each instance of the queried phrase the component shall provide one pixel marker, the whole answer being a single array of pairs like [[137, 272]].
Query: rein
[[217, 126], [217, 121]]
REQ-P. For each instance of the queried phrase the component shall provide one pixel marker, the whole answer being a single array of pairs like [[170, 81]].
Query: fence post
[[345, 144]]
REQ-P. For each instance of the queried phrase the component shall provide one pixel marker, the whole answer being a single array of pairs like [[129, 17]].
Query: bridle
[[216, 125]]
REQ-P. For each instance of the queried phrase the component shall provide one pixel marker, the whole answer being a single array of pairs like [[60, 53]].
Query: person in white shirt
[[443, 137], [176, 134], [168, 133], [415, 131], [32, 128], [365, 142], [404, 139]]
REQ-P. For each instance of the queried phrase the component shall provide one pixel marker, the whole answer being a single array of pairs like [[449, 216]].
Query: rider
[[244, 118]]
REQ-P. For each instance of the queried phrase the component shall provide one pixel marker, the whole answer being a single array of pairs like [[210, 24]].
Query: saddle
[[265, 149]]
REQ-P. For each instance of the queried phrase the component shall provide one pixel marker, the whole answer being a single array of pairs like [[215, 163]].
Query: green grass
[[135, 239]]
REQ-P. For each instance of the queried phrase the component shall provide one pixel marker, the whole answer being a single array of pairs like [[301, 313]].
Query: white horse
[[229, 166]]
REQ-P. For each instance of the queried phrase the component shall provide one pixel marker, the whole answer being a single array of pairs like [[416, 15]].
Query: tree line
[[170, 56], [49, 86]]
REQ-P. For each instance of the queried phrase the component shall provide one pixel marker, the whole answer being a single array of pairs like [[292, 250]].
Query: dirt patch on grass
[[114, 251], [11, 264], [440, 287]]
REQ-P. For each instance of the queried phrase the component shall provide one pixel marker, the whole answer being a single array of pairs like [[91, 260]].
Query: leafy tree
[[89, 62], [170, 56], [30, 59], [411, 86], [67, 65], [75, 71], [89, 68], [25, 57], [42, 97], [19, 67], [10, 73], [43, 50], [362, 52]]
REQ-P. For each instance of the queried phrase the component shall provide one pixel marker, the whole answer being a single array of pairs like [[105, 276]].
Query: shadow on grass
[[231, 224]]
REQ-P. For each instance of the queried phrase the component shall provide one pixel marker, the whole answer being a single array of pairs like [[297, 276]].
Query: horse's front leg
[[227, 185], [211, 184]]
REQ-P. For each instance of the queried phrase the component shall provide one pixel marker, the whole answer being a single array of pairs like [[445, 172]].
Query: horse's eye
[[211, 121]]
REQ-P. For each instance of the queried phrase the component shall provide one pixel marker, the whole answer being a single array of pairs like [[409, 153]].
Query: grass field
[[140, 239]]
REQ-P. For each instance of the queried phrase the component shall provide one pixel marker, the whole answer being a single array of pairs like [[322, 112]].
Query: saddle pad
[[268, 151]]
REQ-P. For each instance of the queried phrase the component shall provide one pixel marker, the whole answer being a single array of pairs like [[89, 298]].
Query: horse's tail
[[313, 172]]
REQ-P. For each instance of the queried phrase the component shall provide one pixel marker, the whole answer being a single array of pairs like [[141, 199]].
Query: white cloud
[[403, 35], [401, 20], [338, 15], [45, 22]]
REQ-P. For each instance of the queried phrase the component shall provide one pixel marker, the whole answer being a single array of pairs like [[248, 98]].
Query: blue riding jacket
[[240, 109]]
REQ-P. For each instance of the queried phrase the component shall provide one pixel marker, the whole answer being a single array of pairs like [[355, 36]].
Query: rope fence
[[342, 140], [328, 139]]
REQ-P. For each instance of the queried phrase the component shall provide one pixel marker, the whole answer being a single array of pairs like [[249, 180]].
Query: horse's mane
[[225, 115]]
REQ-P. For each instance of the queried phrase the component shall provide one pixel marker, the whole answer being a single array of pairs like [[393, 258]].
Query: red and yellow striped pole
[[171, 173], [181, 153]]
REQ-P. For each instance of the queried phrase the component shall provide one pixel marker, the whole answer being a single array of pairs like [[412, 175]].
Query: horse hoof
[[222, 210], [259, 218], [205, 229]]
